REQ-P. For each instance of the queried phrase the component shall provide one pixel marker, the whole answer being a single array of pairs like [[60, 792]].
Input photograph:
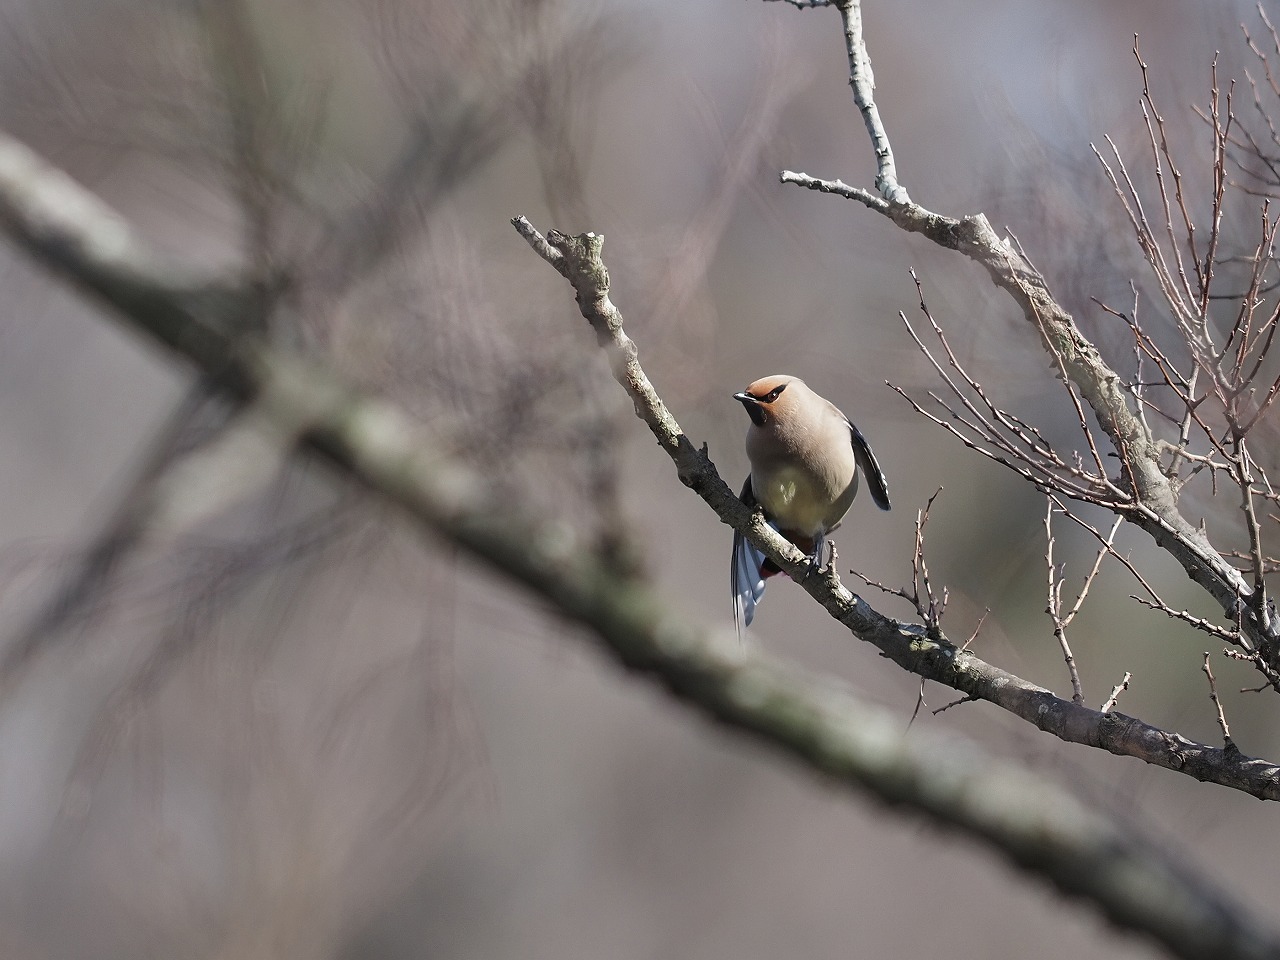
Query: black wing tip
[[876, 482], [877, 485]]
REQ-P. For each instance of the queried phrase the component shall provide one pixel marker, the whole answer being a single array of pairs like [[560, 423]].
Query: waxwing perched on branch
[[806, 458]]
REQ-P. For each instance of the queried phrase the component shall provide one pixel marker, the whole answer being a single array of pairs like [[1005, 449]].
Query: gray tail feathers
[[747, 579]]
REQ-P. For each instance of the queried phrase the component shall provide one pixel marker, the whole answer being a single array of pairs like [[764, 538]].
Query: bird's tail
[[747, 576]]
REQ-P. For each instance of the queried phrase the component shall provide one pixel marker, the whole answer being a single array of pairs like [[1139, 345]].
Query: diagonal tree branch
[[910, 646], [1154, 507]]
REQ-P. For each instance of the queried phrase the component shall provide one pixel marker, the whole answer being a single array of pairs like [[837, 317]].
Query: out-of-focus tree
[[350, 382]]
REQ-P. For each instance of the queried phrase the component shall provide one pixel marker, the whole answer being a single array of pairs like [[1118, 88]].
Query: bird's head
[[759, 398]]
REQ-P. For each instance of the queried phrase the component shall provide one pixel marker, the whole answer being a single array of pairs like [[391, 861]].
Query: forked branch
[[1146, 491]]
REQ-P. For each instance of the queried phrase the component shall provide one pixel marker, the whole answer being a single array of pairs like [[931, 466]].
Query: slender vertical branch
[[1213, 695], [863, 82], [1063, 620], [1054, 608], [1118, 689]]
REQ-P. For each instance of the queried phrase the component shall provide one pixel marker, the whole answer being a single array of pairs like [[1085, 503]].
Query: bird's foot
[[819, 567]]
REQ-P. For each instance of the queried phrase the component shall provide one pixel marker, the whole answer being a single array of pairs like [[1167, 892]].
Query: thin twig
[[970, 698], [976, 629], [863, 83], [1054, 608], [1213, 695], [919, 703], [1118, 689]]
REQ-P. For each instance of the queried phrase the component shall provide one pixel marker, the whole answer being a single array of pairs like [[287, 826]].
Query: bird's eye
[[773, 394]]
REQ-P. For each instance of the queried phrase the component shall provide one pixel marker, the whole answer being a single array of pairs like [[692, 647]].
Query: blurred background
[[252, 715]]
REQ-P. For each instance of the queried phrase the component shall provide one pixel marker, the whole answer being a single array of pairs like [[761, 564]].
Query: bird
[[806, 461]]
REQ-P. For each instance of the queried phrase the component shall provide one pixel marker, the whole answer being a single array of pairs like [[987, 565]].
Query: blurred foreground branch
[[810, 719]]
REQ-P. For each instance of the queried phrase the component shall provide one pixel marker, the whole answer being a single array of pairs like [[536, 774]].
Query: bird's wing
[[745, 573], [870, 468]]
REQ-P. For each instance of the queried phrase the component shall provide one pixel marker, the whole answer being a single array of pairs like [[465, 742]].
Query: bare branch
[[1004, 437], [969, 698], [1213, 695], [863, 83], [931, 613], [1273, 678], [839, 188], [977, 628], [1063, 620], [1118, 689], [1205, 626], [1151, 492], [1054, 607]]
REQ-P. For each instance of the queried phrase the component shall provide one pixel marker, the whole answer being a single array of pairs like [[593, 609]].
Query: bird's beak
[[755, 409]]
